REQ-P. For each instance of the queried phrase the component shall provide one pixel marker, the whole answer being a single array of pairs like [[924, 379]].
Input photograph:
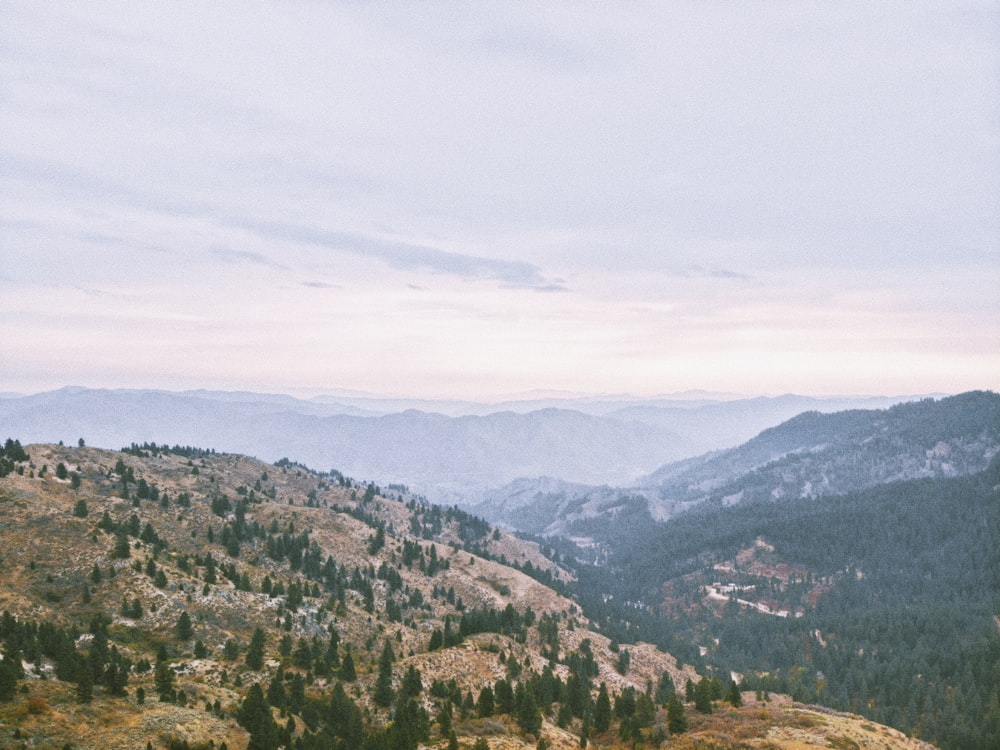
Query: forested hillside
[[817, 454], [175, 597], [882, 602]]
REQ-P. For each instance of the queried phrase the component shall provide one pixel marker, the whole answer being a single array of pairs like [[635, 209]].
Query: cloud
[[228, 255], [694, 271], [539, 46], [405, 255]]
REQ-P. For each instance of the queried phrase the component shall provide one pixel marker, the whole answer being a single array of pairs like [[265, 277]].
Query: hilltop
[[181, 597]]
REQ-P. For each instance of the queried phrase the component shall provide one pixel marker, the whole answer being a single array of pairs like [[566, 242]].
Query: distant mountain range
[[450, 451], [810, 455]]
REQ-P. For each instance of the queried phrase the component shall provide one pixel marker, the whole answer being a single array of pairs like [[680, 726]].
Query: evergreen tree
[[485, 704], [503, 697], [122, 548], [254, 715], [230, 650], [733, 694], [437, 640], [116, 673], [625, 703], [410, 726], [444, 719], [602, 710], [185, 631], [624, 660], [8, 680], [629, 730], [676, 720], [412, 684], [664, 688], [332, 654], [297, 694], [85, 684], [163, 679], [347, 671], [276, 690], [382, 693], [210, 576], [645, 710], [303, 656], [703, 696], [529, 718], [255, 653]]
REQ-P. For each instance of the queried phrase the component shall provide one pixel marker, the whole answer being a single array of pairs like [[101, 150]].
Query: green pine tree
[[8, 680], [254, 715], [602, 710], [382, 693], [703, 696], [733, 694], [347, 671], [676, 720], [185, 631], [163, 679], [529, 718], [255, 653], [85, 684], [412, 684]]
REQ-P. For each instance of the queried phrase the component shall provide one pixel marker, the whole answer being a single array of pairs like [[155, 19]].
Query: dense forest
[[903, 631]]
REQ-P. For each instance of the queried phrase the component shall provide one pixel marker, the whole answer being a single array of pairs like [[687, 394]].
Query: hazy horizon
[[454, 201], [538, 395]]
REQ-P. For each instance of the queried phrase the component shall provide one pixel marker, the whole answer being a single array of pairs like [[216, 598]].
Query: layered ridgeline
[[849, 559], [451, 452], [178, 597], [811, 455]]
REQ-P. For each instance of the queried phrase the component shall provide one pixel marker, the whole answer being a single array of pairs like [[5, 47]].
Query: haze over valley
[[455, 456]]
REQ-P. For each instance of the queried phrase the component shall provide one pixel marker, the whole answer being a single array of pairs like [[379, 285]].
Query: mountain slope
[[882, 601], [178, 597], [816, 454]]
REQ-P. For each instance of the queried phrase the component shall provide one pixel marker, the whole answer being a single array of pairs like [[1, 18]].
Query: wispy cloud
[[539, 46], [405, 255], [228, 255], [714, 273]]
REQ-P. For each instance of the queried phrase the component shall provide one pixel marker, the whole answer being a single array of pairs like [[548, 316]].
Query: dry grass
[[48, 555]]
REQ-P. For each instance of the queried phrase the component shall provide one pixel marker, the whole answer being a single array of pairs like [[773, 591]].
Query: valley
[[186, 597]]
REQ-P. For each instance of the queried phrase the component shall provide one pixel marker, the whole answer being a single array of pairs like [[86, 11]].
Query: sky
[[478, 200]]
